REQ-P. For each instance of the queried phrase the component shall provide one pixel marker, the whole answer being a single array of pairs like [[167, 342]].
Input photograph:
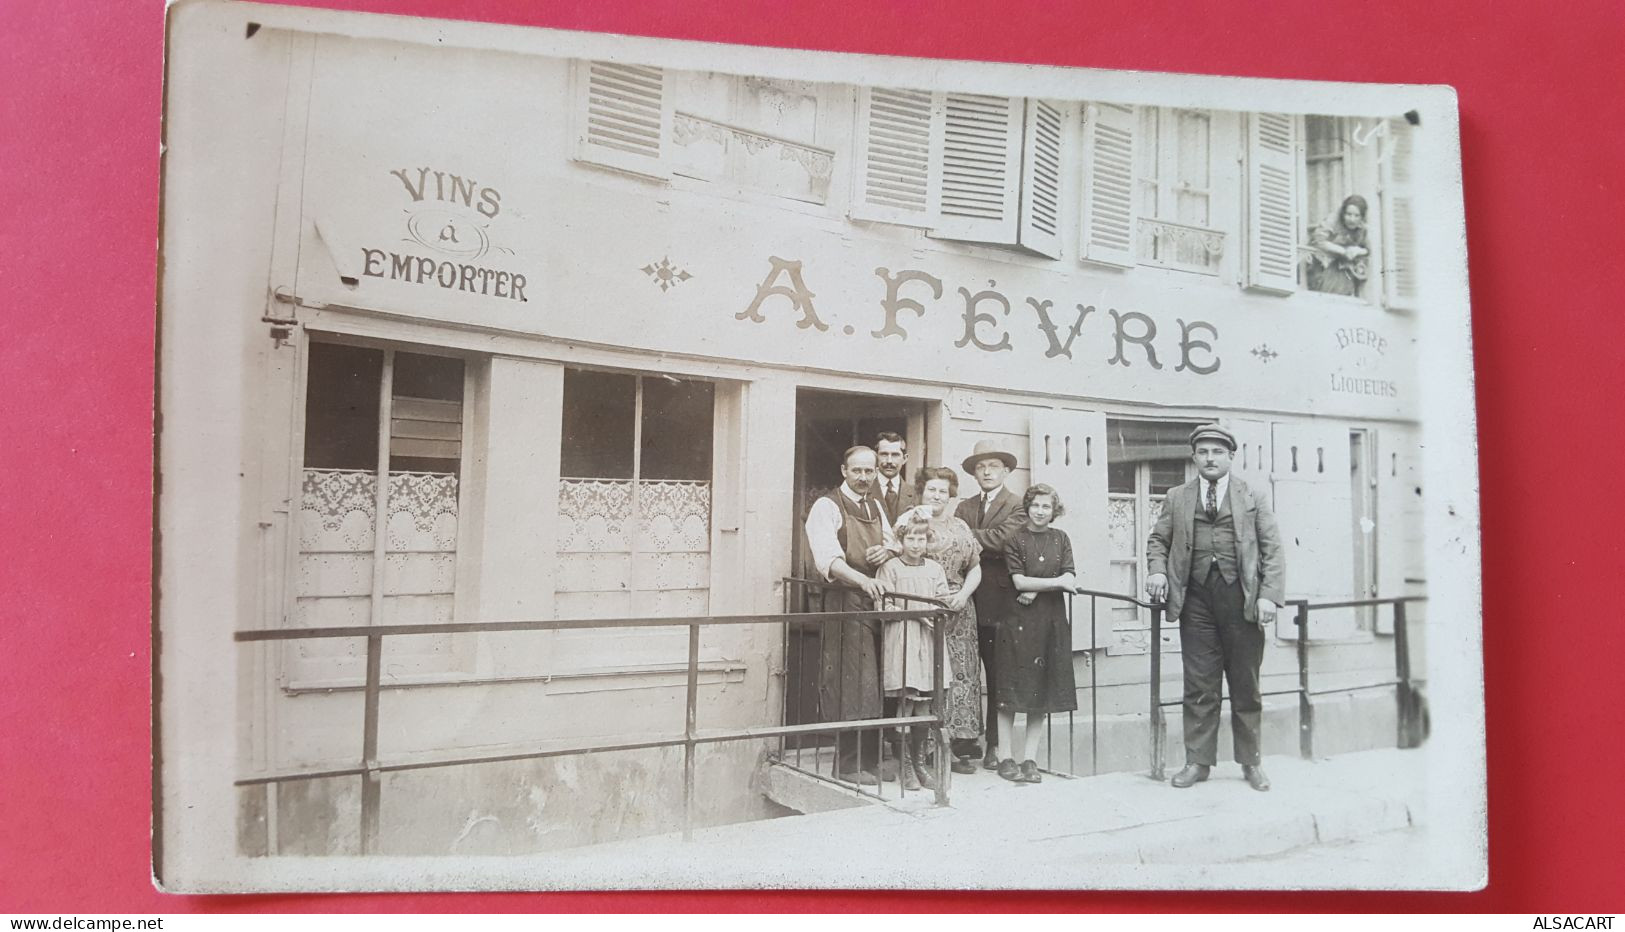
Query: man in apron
[[848, 534]]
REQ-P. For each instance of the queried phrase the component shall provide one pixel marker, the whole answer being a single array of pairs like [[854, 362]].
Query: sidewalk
[[1114, 830]]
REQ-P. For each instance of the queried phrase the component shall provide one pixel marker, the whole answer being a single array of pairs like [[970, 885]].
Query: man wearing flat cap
[[993, 515], [1215, 556]]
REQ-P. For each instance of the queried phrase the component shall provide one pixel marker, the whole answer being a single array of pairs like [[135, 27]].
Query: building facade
[[494, 335]]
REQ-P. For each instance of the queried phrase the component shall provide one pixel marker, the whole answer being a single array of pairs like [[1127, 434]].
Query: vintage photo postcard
[[593, 463]]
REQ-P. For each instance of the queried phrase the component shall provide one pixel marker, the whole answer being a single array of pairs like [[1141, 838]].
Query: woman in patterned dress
[[955, 547]]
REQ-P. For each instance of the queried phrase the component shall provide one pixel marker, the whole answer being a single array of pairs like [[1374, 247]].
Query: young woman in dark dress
[[1034, 647]]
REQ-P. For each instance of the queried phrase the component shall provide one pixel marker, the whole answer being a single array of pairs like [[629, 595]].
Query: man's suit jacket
[[995, 595], [1258, 545], [907, 497]]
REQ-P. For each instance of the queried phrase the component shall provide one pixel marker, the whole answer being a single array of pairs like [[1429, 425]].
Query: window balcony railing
[[1169, 245]]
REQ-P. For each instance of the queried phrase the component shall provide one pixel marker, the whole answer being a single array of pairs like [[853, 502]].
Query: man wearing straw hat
[[1215, 556], [993, 515]]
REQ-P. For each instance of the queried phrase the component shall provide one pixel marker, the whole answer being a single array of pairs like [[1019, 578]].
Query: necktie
[[1212, 500], [987, 500], [891, 500], [868, 507]]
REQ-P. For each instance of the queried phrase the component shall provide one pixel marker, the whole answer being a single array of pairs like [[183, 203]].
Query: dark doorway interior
[[827, 424]]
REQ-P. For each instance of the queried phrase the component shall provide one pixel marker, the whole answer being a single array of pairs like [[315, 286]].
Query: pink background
[[80, 94]]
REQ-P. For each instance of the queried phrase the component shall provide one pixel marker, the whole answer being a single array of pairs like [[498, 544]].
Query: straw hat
[[988, 449]]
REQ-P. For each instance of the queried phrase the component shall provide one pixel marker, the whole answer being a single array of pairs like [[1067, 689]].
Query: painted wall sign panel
[[465, 207]]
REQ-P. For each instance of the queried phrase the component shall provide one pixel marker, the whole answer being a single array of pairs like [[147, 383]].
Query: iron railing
[[1408, 699], [372, 767], [804, 597]]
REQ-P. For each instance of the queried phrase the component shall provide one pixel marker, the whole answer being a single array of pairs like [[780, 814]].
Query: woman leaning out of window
[[1337, 263]]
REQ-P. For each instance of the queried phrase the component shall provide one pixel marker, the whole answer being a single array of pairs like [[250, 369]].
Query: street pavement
[[1110, 831]]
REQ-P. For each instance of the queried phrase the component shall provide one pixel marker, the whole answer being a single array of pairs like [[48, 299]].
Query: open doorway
[[827, 424]]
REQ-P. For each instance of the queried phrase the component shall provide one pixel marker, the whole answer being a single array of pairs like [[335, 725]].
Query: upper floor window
[[968, 167], [1149, 180], [1174, 191], [1356, 231], [751, 133]]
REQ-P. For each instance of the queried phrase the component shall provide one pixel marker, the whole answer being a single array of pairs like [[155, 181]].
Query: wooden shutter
[[1272, 202], [981, 168], [1398, 219], [1108, 184], [899, 168], [1253, 462], [1399, 517], [623, 116], [1040, 227], [1313, 504], [1067, 449]]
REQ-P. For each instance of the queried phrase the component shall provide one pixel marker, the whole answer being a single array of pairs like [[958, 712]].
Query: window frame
[[464, 665]]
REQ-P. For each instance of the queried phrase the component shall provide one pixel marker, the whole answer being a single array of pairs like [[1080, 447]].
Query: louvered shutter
[[1398, 219], [1040, 227], [981, 168], [899, 135], [623, 116], [1067, 449], [1273, 230], [1108, 184]]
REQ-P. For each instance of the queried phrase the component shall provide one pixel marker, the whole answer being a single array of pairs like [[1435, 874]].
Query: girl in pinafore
[[1033, 651], [908, 651]]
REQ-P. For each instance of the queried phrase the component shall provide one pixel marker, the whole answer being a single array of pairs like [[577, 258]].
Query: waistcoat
[[1213, 540]]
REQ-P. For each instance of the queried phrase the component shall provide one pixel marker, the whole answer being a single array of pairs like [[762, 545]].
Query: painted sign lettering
[[453, 222], [986, 319]]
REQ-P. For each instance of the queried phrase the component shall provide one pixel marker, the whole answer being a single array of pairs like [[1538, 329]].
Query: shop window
[[378, 539], [634, 535], [968, 167], [1144, 460]]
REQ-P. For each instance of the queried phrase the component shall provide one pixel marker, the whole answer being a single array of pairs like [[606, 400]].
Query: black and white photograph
[[594, 462]]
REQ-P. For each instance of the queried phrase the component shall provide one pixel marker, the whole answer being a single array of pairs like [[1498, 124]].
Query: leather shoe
[[1191, 775], [1009, 770], [990, 760], [1254, 775], [860, 777], [962, 765], [1029, 772]]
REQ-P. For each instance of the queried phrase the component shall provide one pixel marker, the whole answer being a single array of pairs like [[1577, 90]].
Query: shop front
[[506, 373]]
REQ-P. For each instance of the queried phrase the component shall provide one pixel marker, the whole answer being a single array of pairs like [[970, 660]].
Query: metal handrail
[[371, 767], [1409, 725], [939, 617]]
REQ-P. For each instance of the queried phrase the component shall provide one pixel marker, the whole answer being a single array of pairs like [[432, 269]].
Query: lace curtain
[[337, 536], [614, 562]]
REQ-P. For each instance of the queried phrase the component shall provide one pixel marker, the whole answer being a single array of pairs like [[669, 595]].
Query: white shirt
[[824, 522], [1223, 490], [986, 503]]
